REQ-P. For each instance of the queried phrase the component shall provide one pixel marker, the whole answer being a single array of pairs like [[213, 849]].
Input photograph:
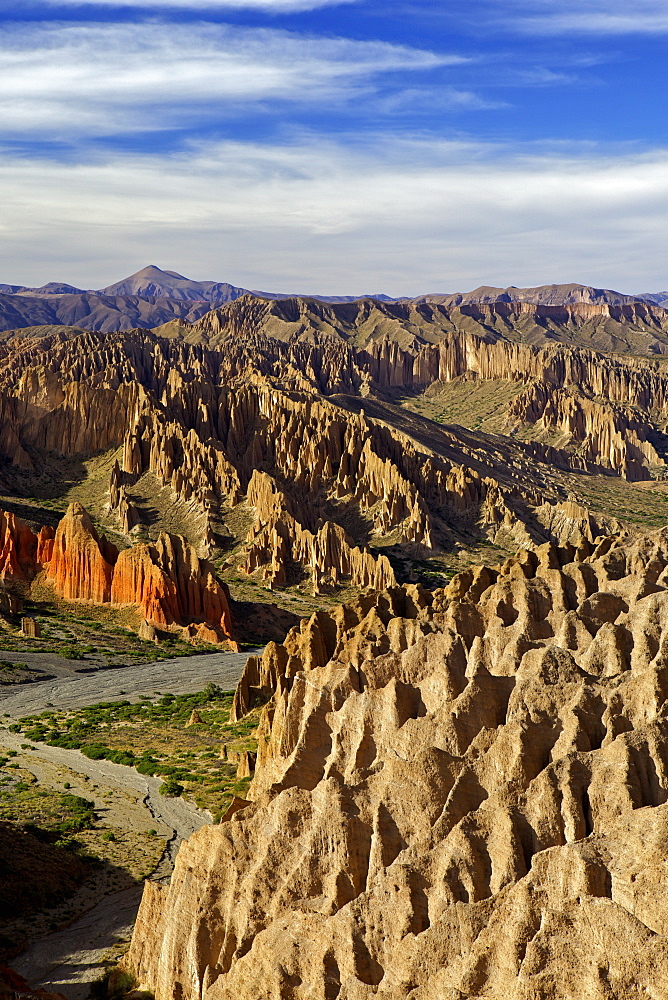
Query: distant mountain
[[154, 283], [541, 295], [92, 311], [54, 288], [656, 298], [629, 327], [152, 297], [148, 299]]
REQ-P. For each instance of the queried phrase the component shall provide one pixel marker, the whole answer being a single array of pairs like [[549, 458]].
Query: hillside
[[151, 298], [316, 460]]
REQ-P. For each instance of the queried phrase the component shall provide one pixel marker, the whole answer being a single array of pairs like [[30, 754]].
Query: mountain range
[[152, 297]]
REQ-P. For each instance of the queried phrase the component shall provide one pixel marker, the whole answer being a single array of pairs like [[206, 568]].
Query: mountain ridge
[[151, 297]]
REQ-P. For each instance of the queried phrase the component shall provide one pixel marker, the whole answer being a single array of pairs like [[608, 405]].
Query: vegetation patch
[[187, 740]]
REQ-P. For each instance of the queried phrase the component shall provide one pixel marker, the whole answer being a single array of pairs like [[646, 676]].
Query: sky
[[335, 146]]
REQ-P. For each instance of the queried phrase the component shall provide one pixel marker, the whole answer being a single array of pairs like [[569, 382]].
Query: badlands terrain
[[445, 518]]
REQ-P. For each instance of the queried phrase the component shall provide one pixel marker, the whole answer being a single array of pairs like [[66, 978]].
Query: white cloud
[[397, 216], [268, 6], [101, 78], [601, 17]]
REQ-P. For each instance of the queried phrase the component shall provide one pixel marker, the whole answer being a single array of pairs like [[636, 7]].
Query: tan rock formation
[[301, 396], [459, 794], [246, 764], [31, 627], [10, 603], [147, 631]]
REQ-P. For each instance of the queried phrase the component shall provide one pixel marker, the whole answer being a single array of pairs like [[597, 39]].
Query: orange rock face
[[18, 549], [167, 580], [170, 584], [82, 564]]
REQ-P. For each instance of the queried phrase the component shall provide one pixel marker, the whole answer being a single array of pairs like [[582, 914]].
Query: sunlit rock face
[[166, 580], [459, 794], [286, 408]]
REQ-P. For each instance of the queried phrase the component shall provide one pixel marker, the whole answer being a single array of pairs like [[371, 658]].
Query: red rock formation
[[18, 549], [170, 584], [166, 579], [82, 563], [45, 542]]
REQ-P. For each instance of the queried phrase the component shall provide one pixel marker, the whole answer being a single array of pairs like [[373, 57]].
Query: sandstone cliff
[[170, 584], [81, 566], [459, 794]]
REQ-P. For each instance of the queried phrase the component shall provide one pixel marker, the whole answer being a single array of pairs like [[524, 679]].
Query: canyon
[[443, 519]]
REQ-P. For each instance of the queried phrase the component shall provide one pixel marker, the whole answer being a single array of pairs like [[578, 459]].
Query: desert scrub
[[156, 737], [24, 802]]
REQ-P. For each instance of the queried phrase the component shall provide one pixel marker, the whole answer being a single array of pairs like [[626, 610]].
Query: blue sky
[[343, 147]]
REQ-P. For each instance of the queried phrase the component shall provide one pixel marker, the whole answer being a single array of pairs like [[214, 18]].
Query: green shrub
[[171, 788], [125, 757], [71, 653], [147, 767], [95, 752]]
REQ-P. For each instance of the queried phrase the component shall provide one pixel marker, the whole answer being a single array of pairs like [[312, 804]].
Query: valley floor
[[69, 959]]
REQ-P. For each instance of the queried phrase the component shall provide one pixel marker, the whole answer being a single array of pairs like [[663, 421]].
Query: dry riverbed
[[136, 832]]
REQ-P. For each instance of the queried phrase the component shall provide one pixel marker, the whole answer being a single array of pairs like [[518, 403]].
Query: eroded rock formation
[[170, 584], [167, 580], [459, 794], [82, 563], [344, 474]]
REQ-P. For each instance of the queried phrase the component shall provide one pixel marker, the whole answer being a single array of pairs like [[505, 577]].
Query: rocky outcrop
[[277, 540], [82, 563], [625, 324], [346, 474], [458, 794], [18, 550], [602, 433], [167, 580], [170, 584]]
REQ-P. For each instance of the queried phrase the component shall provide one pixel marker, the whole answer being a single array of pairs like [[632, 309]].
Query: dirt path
[[70, 959]]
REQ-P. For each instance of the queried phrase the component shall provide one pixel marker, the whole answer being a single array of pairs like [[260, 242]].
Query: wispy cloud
[[400, 216], [268, 6], [436, 99], [594, 17], [103, 78]]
